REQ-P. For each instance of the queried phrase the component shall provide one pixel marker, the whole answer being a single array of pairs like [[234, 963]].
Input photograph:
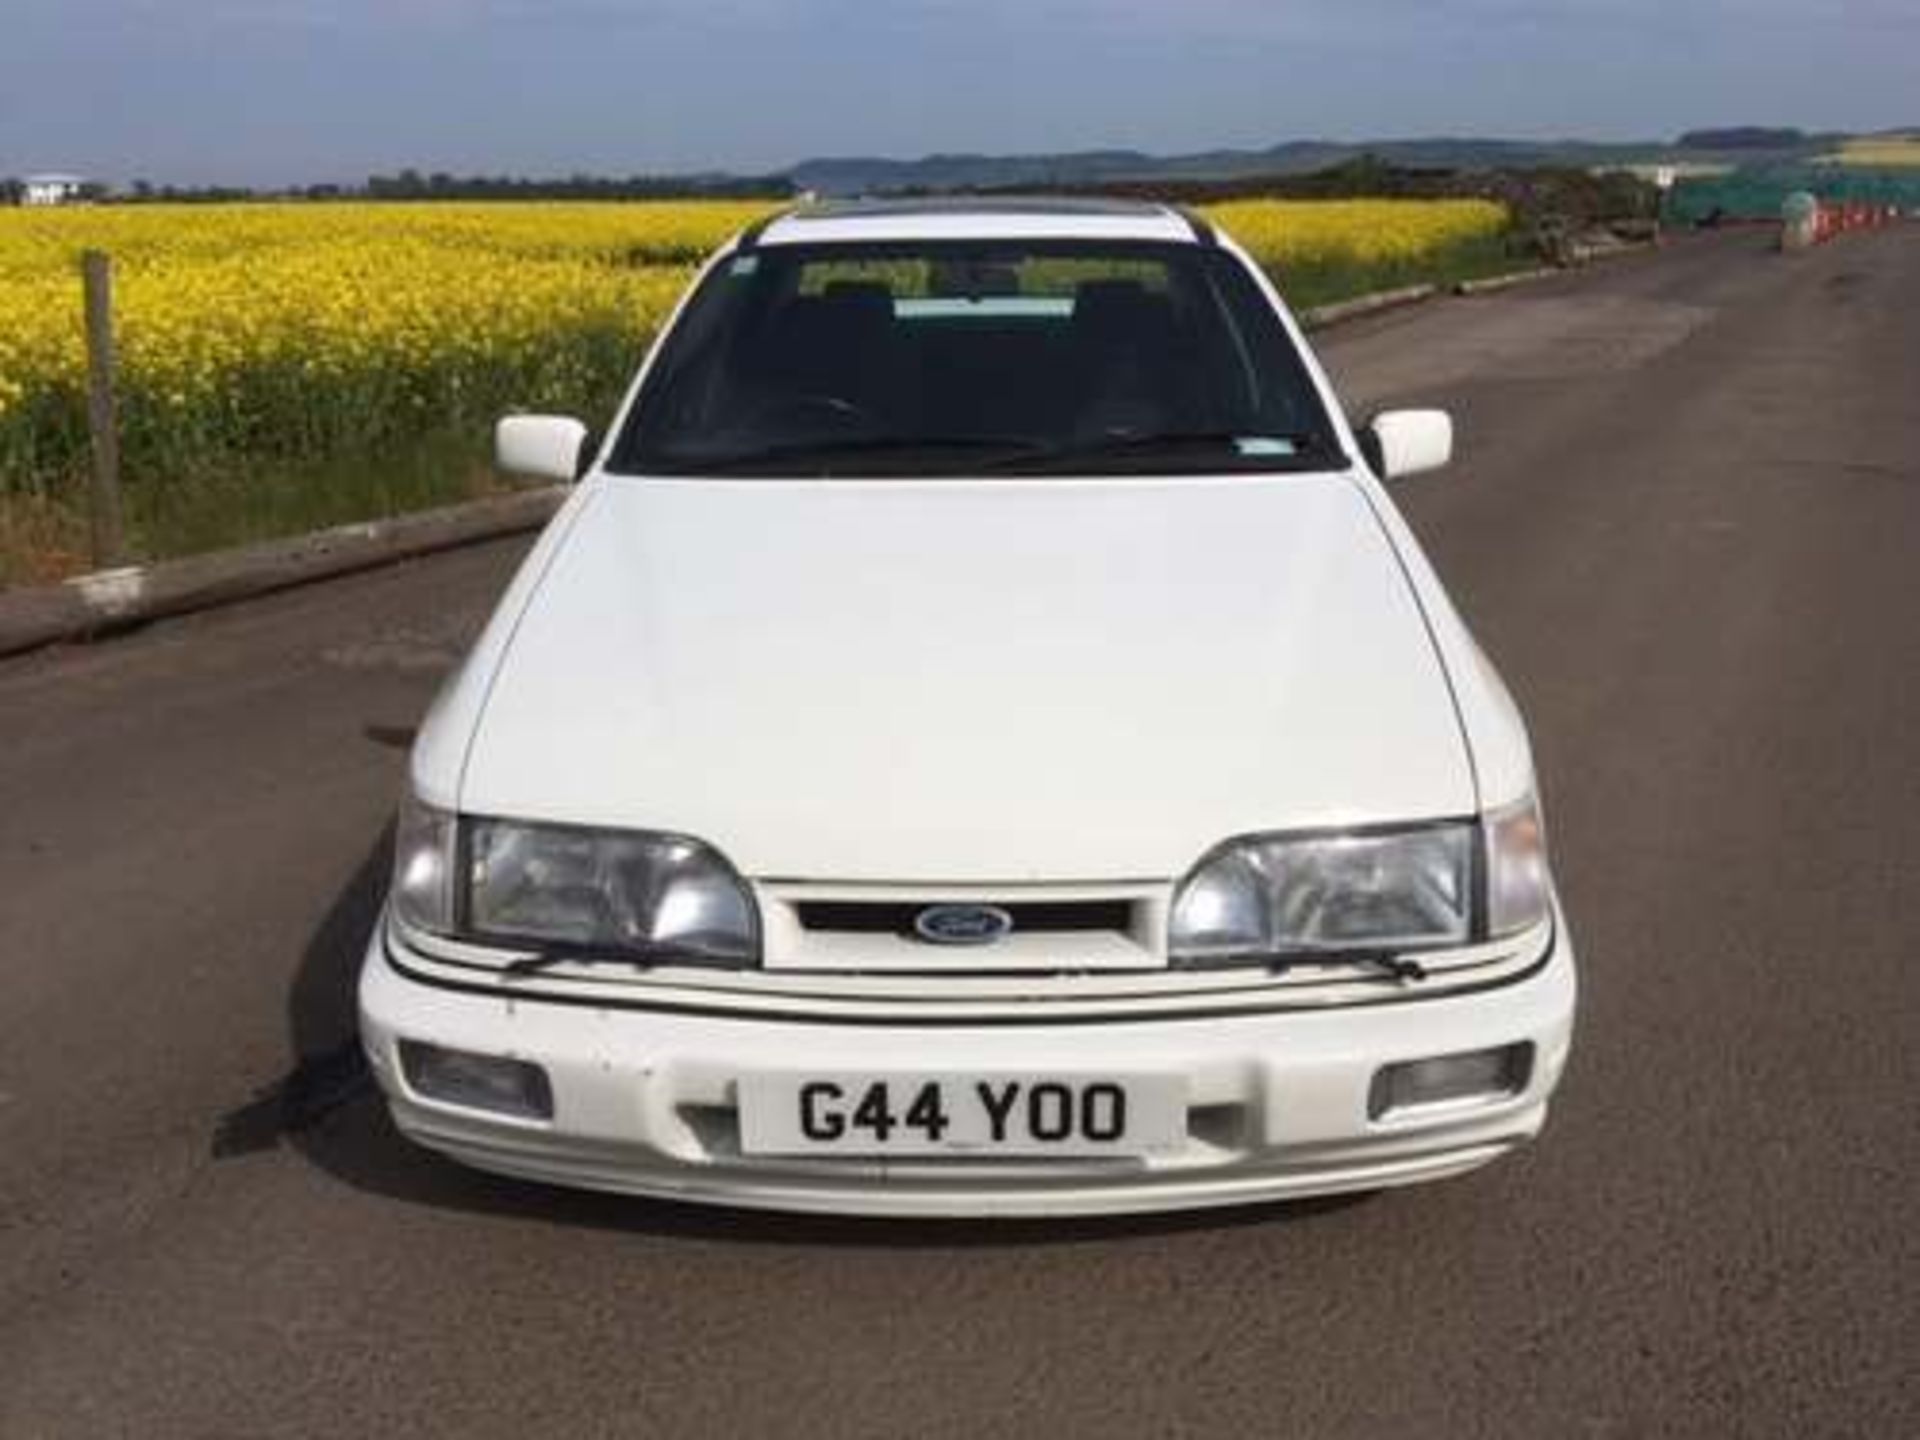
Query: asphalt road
[[1686, 520]]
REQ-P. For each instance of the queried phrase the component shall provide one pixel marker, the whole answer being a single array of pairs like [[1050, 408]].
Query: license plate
[[866, 1113]]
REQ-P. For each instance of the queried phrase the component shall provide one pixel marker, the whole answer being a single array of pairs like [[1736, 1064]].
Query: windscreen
[[947, 358]]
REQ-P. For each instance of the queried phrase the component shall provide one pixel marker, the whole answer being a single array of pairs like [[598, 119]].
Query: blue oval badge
[[962, 924]]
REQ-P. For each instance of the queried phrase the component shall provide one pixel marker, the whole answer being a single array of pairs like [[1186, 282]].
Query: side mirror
[[1408, 442], [540, 447]]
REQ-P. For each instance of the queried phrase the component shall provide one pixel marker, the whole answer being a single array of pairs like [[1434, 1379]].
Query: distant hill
[[1744, 137], [853, 175]]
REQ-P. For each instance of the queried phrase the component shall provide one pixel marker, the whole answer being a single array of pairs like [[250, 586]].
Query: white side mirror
[[540, 447], [1410, 442]]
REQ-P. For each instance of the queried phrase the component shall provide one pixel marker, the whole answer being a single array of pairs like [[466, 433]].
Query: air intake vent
[[955, 931]]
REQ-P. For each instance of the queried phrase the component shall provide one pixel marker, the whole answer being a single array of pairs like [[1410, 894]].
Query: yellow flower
[[312, 328]]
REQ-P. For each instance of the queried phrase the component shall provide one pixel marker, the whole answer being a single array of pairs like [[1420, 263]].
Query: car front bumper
[[1277, 1103]]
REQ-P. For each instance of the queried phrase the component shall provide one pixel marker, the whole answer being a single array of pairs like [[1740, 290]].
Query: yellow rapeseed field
[[264, 328], [1361, 233], [1882, 153], [263, 334]]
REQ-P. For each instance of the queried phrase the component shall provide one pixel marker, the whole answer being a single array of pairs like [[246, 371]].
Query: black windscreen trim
[[750, 237], [1203, 230]]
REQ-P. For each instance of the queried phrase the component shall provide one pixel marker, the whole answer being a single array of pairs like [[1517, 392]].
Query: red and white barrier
[[1806, 221], [1838, 217]]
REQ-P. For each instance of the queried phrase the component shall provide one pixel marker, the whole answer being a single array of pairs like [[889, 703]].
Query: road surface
[[1686, 520]]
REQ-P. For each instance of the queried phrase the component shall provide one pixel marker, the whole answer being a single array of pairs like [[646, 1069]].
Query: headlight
[[660, 896], [1275, 898], [655, 897], [1271, 898]]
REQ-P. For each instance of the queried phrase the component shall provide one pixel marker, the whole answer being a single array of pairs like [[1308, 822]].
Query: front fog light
[[480, 1082], [1442, 1079]]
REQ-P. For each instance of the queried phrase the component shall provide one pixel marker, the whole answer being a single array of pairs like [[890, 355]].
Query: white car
[[977, 740]]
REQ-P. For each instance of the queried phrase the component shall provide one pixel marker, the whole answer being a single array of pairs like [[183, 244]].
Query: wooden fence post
[[103, 421]]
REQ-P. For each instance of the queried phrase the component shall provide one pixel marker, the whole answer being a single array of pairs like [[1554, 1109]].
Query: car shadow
[[328, 1109]]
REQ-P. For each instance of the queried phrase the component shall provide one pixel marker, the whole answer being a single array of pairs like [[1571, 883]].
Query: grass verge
[[45, 538], [1305, 287]]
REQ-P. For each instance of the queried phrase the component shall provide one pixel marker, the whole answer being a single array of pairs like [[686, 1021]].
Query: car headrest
[[1111, 310], [869, 299]]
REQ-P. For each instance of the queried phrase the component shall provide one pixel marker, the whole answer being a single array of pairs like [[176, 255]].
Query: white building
[[50, 189]]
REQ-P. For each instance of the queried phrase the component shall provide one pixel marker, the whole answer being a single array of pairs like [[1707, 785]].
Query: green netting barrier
[[1759, 193]]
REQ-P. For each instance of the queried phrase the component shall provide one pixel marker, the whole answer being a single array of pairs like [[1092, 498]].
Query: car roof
[[979, 217]]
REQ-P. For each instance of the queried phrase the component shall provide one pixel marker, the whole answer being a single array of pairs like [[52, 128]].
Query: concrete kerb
[[106, 601], [1495, 283], [1322, 316]]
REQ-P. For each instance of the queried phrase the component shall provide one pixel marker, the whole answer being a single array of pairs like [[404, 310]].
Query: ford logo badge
[[962, 924]]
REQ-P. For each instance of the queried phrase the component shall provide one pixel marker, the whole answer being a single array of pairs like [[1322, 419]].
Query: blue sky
[[259, 91]]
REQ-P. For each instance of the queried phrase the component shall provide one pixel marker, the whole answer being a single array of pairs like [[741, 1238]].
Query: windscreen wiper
[[548, 956], [1400, 967], [538, 960], [820, 453], [1394, 965], [1240, 444]]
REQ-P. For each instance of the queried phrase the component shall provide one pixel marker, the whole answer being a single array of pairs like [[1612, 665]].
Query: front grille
[[1046, 917]]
